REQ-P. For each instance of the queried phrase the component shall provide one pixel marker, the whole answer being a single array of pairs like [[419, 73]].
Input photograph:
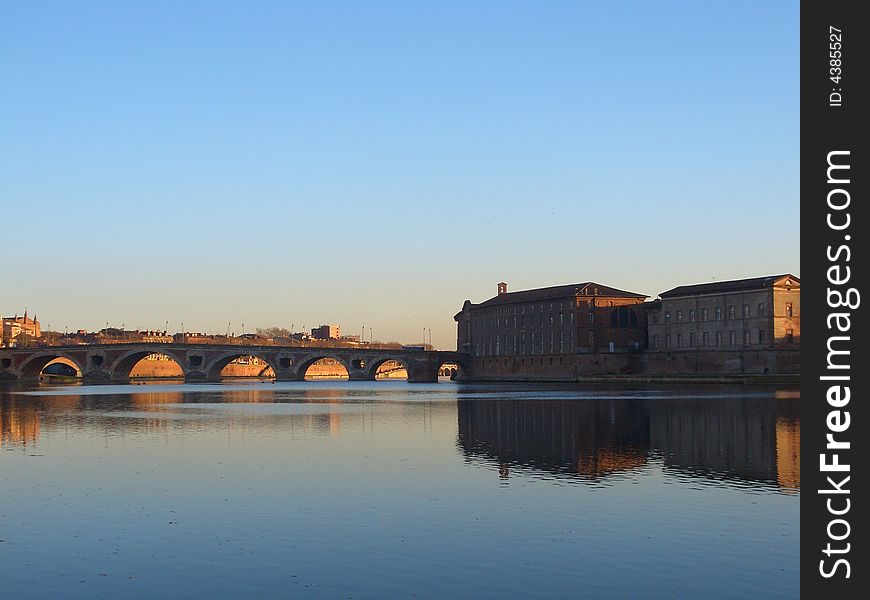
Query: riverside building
[[741, 326], [553, 332], [567, 332]]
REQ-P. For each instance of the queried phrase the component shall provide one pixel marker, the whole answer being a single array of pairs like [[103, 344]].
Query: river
[[386, 489]]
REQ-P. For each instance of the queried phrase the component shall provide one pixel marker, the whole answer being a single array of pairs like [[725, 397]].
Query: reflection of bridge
[[204, 362]]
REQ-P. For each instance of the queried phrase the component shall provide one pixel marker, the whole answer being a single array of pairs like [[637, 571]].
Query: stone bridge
[[204, 362]]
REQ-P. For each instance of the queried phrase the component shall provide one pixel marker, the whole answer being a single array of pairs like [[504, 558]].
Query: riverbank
[[791, 380]]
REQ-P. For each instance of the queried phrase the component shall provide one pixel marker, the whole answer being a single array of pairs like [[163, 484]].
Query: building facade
[[763, 312], [541, 331], [326, 332], [13, 327], [748, 326]]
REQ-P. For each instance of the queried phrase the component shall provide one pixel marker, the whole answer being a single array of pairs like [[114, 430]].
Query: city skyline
[[277, 164]]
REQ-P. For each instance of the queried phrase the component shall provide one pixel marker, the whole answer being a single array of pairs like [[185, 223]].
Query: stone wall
[[571, 367]]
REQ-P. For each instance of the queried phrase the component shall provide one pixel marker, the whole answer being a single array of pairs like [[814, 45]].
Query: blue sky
[[378, 163]]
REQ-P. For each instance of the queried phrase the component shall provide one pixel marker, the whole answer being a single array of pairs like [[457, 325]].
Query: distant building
[[16, 326], [326, 332]]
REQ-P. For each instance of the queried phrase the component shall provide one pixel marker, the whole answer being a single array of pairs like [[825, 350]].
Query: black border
[[826, 128]]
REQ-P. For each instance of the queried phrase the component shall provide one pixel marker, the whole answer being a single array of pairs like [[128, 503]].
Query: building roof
[[721, 287], [559, 291]]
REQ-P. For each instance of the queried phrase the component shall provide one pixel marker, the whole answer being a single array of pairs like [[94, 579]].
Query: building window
[[732, 338], [691, 340], [667, 316], [789, 310], [667, 340], [746, 337], [691, 315], [731, 312], [705, 338], [718, 313], [571, 317], [745, 311], [655, 342], [551, 319], [561, 342], [718, 338], [761, 336], [561, 318], [591, 318], [679, 340], [679, 316], [761, 309], [704, 314], [789, 336]]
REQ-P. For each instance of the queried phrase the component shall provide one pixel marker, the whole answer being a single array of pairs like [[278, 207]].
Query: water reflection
[[753, 439], [377, 490], [748, 439], [19, 423]]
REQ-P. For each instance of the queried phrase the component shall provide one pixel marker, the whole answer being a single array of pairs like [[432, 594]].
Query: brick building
[[563, 333], [746, 325], [546, 328], [326, 332], [762, 312], [13, 327]]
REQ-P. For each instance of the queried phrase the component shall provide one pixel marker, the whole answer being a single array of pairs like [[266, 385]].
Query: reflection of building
[[746, 439], [16, 326], [19, 425], [326, 332], [591, 439], [722, 438], [788, 445]]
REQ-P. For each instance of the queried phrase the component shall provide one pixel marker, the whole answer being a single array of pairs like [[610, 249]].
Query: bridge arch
[[33, 366], [375, 368], [122, 367], [216, 366], [451, 366], [63, 367], [305, 364]]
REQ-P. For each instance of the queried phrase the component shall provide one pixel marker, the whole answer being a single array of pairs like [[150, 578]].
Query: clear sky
[[376, 163]]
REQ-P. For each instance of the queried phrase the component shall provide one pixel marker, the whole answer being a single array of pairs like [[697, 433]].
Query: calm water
[[385, 489]]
